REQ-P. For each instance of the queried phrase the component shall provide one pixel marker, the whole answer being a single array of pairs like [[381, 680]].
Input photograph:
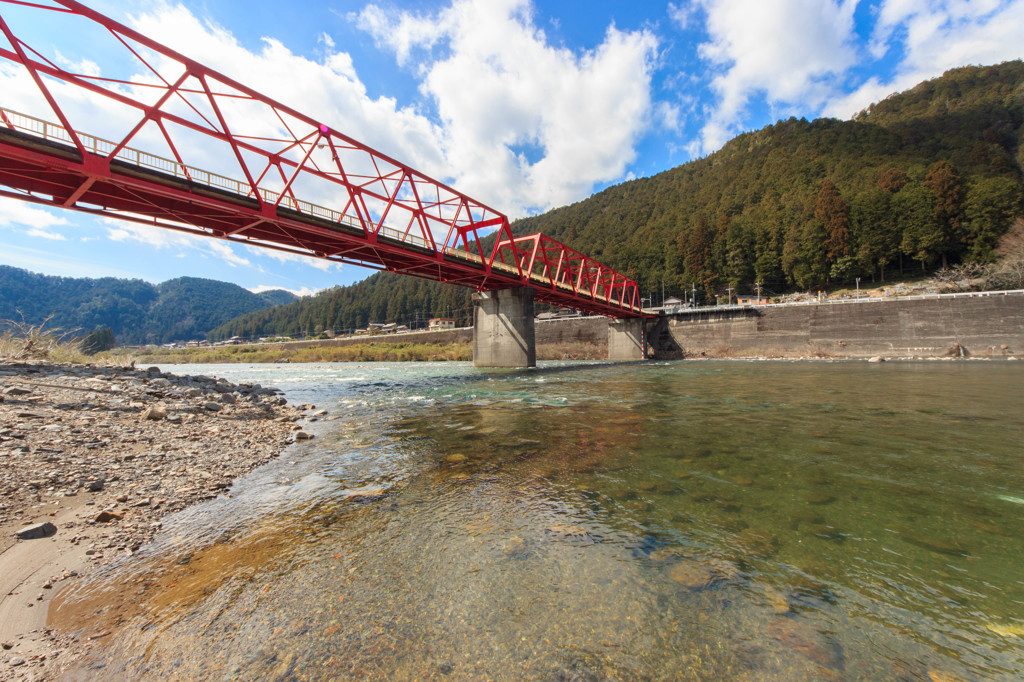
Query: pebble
[[16, 661], [456, 459], [303, 435]]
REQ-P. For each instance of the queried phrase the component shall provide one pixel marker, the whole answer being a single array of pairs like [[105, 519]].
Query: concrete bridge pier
[[503, 328], [626, 339]]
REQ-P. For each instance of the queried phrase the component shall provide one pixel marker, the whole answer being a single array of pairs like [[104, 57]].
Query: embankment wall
[[979, 325]]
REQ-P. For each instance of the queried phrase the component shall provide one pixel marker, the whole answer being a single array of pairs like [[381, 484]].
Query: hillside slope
[[927, 176], [136, 311]]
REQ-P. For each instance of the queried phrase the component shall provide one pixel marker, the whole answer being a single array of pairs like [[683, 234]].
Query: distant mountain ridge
[[794, 205], [136, 311]]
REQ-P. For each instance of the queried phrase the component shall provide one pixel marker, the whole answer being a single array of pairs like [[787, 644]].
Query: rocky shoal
[[91, 457]]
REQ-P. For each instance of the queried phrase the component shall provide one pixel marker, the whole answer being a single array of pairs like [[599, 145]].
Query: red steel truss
[[289, 182]]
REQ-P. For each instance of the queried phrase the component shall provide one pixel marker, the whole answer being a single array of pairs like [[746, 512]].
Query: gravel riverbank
[[91, 458]]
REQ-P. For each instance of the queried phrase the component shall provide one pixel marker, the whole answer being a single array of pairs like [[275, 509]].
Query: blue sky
[[523, 105]]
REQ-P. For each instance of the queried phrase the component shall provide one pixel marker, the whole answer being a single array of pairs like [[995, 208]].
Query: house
[[751, 300], [441, 323], [672, 302]]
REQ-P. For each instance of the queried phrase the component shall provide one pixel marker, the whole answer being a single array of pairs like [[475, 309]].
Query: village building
[[441, 323]]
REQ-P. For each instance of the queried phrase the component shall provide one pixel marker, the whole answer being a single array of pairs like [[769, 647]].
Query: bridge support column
[[503, 328], [626, 340]]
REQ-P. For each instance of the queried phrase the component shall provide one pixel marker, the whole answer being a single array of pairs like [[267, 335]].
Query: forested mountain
[[136, 311], [925, 177], [384, 296]]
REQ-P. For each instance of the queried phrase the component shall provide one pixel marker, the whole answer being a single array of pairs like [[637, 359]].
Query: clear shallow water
[[671, 521]]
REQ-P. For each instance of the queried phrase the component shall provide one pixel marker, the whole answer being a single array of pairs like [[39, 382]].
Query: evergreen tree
[[946, 186], [991, 206]]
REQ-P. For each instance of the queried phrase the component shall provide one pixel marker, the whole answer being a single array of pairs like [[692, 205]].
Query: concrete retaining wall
[[897, 327], [985, 326]]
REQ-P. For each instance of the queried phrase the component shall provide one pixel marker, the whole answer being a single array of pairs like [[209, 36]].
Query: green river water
[[691, 520]]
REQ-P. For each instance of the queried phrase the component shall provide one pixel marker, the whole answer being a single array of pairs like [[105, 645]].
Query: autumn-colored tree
[[893, 179], [832, 211], [946, 186]]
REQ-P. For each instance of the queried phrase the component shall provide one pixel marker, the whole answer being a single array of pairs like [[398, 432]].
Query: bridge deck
[[38, 160]]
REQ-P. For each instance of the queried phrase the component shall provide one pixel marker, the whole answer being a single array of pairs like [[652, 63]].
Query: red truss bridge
[[175, 144]]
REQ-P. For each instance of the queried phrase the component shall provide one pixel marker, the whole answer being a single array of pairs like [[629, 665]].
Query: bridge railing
[[97, 145]]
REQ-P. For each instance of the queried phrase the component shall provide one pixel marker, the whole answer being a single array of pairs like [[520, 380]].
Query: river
[[690, 520]]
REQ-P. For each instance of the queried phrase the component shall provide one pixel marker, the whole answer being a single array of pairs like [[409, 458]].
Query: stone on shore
[[154, 413], [39, 530]]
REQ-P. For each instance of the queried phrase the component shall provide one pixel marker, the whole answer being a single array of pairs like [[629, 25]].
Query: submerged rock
[[691, 574], [806, 640], [756, 543]]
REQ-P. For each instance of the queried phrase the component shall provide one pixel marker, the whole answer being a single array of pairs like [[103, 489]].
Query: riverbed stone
[[691, 574], [803, 638]]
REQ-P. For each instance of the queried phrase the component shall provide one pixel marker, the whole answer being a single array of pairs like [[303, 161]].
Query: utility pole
[[693, 296], [758, 285], [729, 293]]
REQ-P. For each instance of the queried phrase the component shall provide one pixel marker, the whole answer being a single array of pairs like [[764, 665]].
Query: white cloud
[[304, 291], [682, 14], [34, 221], [163, 238], [788, 51], [525, 125], [934, 36], [287, 257], [45, 234]]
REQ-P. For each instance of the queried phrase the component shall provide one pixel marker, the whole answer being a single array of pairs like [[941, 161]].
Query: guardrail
[[681, 310], [99, 146]]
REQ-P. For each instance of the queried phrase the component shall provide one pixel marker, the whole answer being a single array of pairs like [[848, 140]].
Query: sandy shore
[[90, 459]]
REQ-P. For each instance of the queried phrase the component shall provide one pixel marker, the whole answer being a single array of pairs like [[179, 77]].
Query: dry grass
[[365, 352], [22, 341]]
